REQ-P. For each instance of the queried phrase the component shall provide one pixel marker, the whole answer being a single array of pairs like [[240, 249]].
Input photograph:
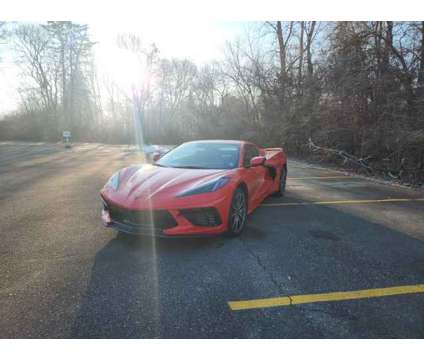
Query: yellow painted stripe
[[333, 296], [320, 177], [342, 202]]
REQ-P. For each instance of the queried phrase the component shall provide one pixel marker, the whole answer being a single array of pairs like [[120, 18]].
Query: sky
[[199, 41]]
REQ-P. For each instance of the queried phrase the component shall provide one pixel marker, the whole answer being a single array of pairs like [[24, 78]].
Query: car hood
[[149, 183]]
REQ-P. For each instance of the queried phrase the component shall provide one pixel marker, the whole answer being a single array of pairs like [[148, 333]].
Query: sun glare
[[122, 67]]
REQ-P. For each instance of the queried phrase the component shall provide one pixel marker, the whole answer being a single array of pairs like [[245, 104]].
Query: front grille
[[202, 216], [160, 219]]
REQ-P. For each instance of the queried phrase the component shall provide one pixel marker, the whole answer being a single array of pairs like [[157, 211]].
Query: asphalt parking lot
[[338, 257]]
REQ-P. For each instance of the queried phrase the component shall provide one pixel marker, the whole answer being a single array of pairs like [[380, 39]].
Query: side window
[[250, 152]]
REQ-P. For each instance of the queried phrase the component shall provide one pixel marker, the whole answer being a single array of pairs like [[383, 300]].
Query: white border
[[211, 349], [188, 10]]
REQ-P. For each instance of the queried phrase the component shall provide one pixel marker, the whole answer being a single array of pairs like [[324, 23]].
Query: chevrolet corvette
[[200, 187]]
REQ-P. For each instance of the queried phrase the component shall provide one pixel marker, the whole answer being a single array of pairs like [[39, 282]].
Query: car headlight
[[113, 182], [207, 187]]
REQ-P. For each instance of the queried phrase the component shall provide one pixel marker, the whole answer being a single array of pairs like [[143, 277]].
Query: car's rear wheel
[[282, 182], [238, 213]]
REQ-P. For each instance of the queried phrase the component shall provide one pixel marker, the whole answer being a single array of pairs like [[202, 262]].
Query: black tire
[[238, 213], [282, 180]]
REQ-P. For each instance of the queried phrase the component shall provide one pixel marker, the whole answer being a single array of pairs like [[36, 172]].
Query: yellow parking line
[[319, 177], [342, 202], [333, 296]]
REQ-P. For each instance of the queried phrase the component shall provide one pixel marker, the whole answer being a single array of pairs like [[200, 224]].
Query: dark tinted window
[[250, 152], [199, 155]]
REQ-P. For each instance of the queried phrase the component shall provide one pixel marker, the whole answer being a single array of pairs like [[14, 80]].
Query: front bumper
[[208, 220]]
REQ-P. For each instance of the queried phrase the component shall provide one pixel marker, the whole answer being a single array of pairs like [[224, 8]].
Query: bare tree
[[301, 53], [310, 33], [420, 79], [37, 62], [55, 62]]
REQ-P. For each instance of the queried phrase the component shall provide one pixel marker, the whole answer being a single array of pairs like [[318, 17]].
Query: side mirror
[[156, 156], [257, 161]]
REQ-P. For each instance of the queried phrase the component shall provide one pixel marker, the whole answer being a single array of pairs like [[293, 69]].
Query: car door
[[254, 176]]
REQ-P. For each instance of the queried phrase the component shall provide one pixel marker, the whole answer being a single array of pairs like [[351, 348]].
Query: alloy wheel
[[238, 212]]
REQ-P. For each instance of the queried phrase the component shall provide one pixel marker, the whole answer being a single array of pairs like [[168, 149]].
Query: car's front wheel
[[238, 213]]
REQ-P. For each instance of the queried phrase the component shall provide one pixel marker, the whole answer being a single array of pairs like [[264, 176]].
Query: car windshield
[[198, 155]]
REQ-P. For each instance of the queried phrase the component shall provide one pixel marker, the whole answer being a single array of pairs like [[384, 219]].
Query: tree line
[[334, 90]]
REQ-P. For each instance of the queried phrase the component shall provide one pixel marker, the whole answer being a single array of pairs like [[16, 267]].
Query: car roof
[[239, 142]]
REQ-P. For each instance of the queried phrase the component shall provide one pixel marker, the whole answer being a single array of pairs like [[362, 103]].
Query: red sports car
[[199, 187]]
